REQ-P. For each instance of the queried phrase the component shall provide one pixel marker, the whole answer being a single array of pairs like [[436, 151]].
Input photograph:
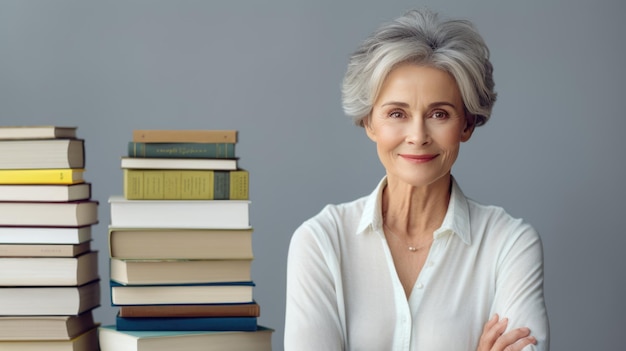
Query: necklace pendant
[[412, 248]]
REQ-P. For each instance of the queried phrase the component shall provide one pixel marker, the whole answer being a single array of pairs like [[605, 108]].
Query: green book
[[181, 150]]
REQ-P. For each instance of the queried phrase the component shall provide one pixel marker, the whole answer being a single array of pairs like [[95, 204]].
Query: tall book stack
[[49, 281], [180, 246]]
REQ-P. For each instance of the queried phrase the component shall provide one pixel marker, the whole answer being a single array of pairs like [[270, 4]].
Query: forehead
[[413, 83]]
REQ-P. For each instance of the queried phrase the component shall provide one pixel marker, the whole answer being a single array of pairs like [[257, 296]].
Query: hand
[[493, 338]]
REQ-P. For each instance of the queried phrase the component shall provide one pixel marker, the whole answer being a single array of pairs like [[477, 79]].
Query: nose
[[417, 133]]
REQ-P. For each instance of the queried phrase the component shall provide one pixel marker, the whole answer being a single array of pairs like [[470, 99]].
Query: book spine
[[39, 176], [142, 184], [185, 136], [217, 310], [181, 150], [187, 323]]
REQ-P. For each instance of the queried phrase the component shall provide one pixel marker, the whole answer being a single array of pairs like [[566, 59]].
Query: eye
[[396, 114], [439, 114]]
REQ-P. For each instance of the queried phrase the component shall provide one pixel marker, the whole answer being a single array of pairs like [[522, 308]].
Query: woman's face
[[418, 122]]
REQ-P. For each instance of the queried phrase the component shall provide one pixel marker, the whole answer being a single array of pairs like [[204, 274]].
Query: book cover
[[49, 271], [41, 176], [45, 153], [235, 292], [87, 341], [180, 271], [181, 150], [251, 309], [36, 132], [47, 214], [187, 323], [223, 164], [49, 300], [45, 192], [44, 250], [45, 327], [177, 243], [112, 339], [44, 235], [209, 214], [184, 136], [143, 184]]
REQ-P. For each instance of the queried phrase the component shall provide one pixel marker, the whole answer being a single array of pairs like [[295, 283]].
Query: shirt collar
[[456, 220]]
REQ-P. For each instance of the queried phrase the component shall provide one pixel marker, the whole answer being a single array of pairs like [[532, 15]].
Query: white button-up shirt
[[343, 292]]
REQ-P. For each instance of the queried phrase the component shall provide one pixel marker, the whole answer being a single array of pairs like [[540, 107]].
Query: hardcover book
[[117, 340], [36, 132], [45, 327], [49, 271], [87, 341], [250, 309], [41, 176], [187, 323], [224, 214], [45, 192], [181, 271], [44, 250], [184, 136], [180, 163], [181, 150], [143, 184], [37, 154], [45, 235], [236, 292], [49, 214], [49, 300], [177, 243]]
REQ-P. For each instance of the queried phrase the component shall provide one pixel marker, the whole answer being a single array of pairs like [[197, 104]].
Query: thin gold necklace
[[411, 247]]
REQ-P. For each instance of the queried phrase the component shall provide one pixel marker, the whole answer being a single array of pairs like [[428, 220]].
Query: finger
[[512, 340], [491, 322], [491, 334]]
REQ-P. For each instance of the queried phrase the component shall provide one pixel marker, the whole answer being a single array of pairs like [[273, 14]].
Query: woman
[[416, 265]]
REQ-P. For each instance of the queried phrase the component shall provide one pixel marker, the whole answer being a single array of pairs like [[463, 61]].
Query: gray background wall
[[552, 153]]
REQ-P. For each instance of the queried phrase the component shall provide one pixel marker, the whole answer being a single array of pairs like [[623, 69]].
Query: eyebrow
[[431, 105]]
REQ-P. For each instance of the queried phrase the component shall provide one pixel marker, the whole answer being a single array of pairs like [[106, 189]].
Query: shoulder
[[332, 219], [494, 225]]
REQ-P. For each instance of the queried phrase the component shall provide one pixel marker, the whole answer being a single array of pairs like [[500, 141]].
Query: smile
[[418, 158]]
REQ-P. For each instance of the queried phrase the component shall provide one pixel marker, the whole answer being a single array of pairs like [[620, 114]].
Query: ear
[[367, 124], [470, 124]]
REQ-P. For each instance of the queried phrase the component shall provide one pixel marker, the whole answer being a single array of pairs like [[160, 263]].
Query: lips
[[419, 158]]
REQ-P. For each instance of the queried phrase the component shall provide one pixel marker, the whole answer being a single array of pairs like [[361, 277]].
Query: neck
[[415, 212]]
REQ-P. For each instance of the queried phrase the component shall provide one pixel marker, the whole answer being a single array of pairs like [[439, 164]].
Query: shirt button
[[420, 285], [430, 264]]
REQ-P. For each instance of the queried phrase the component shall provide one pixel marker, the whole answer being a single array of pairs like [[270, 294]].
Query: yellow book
[[148, 184], [41, 176]]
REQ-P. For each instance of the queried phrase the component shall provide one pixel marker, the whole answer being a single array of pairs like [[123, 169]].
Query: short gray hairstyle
[[420, 37]]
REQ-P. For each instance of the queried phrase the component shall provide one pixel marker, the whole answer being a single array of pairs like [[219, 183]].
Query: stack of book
[[49, 281], [180, 245]]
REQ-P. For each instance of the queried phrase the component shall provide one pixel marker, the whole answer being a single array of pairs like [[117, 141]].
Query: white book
[[42, 154], [222, 214], [44, 235], [222, 164], [49, 214], [49, 300], [36, 132], [45, 192], [49, 271]]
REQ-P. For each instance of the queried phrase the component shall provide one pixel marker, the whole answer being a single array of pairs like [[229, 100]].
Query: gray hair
[[454, 46]]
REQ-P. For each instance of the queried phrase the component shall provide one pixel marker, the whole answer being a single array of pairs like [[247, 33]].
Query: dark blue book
[[186, 323]]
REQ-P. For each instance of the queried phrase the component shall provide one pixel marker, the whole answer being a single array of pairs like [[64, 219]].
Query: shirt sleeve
[[519, 286], [312, 321]]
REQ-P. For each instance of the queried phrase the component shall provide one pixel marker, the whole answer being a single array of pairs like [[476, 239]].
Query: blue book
[[186, 323]]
